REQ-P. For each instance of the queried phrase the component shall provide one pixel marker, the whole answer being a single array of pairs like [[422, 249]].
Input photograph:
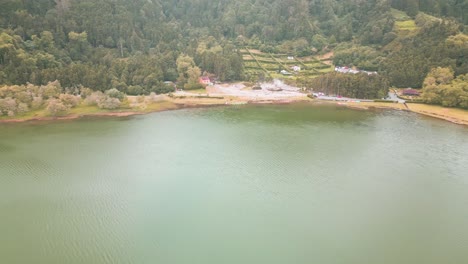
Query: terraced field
[[256, 61], [405, 25]]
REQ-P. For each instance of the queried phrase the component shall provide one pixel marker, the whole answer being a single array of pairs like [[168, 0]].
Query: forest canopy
[[135, 46]]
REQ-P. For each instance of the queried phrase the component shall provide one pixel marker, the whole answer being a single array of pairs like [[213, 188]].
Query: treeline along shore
[[21, 103]]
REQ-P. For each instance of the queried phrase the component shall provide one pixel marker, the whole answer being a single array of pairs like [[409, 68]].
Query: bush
[[135, 90], [8, 106], [24, 97], [23, 108], [109, 103], [37, 102], [52, 89], [56, 107], [85, 92], [114, 93], [69, 100], [162, 89], [94, 98], [193, 86], [415, 101]]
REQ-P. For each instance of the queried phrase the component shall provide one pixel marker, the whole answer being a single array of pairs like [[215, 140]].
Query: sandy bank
[[454, 115], [239, 94]]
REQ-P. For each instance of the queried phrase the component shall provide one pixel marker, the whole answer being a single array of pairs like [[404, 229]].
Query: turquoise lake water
[[250, 184]]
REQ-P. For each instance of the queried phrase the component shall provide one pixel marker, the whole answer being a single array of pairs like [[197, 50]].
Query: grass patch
[[197, 91], [86, 110], [399, 15], [408, 25], [28, 115]]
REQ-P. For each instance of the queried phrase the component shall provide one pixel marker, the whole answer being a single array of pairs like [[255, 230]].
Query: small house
[[284, 72], [205, 80], [411, 92], [296, 68]]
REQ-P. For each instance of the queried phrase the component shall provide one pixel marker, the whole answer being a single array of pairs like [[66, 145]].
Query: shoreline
[[453, 115], [433, 111]]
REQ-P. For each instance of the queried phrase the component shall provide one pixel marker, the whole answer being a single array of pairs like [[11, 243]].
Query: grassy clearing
[[403, 23], [86, 110], [408, 25], [28, 115], [399, 15], [198, 91], [160, 106]]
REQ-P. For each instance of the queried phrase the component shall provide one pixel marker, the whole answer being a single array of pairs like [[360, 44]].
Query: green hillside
[[136, 46]]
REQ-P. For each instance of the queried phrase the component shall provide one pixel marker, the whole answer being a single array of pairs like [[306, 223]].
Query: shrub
[[22, 108], [114, 93], [37, 102], [135, 90], [8, 106], [94, 98], [52, 89], [69, 100], [162, 89], [24, 97], [85, 92], [56, 107], [193, 86], [109, 103]]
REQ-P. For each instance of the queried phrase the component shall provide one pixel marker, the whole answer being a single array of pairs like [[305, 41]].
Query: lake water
[[252, 184]]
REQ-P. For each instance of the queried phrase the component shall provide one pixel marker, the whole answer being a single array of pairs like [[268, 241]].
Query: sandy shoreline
[[362, 106], [222, 96]]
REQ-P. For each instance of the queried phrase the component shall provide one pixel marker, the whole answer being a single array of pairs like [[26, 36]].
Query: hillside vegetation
[[135, 46]]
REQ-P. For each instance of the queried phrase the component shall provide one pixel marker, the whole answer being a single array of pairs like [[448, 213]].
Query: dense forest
[[135, 46], [352, 85]]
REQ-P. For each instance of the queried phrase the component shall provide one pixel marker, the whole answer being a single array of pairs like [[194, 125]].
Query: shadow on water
[[290, 114], [86, 126], [5, 148]]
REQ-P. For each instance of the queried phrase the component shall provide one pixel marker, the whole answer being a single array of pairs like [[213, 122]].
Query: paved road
[[393, 96]]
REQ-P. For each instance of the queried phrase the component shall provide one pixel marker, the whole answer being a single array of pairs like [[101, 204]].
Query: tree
[[114, 93], [69, 100], [51, 90], [56, 107], [109, 103], [79, 45], [8, 106], [439, 76], [193, 73], [440, 87], [184, 63]]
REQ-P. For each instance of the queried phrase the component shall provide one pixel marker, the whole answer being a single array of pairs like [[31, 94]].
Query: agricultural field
[[404, 24], [274, 65]]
